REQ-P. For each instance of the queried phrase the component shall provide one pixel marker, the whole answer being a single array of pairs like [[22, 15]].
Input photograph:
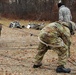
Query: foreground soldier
[[56, 36]]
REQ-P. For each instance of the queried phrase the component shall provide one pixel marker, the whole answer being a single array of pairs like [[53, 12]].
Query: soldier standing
[[64, 13], [55, 36]]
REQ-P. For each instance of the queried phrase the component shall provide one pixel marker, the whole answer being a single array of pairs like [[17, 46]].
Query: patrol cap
[[60, 4]]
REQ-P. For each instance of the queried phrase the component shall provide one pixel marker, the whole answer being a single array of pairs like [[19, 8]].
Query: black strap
[[70, 28]]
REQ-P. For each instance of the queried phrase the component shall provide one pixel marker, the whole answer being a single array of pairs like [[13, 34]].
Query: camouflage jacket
[[56, 30]]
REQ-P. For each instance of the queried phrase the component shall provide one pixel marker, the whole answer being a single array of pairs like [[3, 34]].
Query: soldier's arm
[[60, 15]]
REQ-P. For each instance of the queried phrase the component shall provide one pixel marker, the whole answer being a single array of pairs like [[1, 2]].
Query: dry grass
[[17, 56]]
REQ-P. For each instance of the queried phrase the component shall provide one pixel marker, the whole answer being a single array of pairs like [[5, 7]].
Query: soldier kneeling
[[55, 36]]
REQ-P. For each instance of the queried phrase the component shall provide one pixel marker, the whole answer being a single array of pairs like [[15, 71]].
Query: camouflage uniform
[[65, 14], [55, 36]]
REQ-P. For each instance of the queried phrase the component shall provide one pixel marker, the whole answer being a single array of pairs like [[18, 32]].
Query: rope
[[16, 48], [72, 61], [49, 44]]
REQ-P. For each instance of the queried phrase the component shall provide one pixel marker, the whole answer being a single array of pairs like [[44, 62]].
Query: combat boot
[[62, 69], [36, 66]]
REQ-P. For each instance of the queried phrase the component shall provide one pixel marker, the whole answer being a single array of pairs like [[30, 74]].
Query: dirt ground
[[18, 49]]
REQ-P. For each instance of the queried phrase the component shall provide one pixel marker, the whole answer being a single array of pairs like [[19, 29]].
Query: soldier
[[64, 13], [36, 26], [15, 24], [55, 36]]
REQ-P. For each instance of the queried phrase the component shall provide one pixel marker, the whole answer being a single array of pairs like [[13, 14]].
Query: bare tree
[[34, 9]]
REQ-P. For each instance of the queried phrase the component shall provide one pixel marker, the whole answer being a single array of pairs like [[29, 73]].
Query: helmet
[[71, 25]]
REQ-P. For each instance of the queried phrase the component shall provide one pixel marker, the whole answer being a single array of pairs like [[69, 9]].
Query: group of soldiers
[[56, 36], [35, 26]]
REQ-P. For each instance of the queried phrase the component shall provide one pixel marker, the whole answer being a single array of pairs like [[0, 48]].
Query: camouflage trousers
[[62, 51]]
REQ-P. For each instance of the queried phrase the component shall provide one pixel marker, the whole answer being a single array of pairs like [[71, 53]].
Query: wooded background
[[34, 9]]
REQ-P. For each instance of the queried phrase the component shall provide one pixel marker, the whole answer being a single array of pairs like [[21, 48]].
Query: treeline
[[34, 9]]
